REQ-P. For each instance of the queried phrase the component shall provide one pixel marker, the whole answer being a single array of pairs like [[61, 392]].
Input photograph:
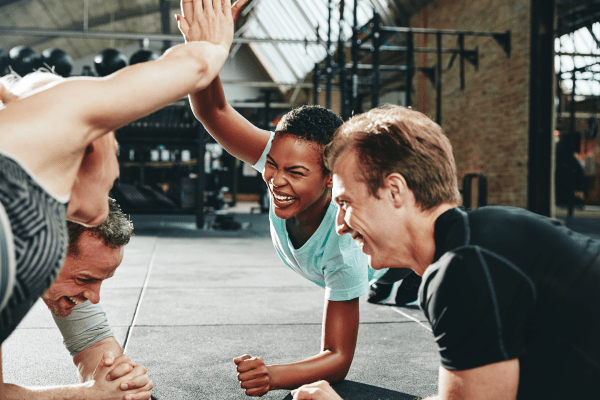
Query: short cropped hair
[[392, 139], [116, 230], [314, 124]]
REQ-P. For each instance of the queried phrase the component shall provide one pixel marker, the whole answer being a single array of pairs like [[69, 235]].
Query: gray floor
[[195, 299], [204, 297]]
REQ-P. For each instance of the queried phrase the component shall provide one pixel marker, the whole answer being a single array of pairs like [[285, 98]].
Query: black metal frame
[[377, 45]]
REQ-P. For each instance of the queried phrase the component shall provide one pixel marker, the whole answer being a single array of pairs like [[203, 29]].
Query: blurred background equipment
[[23, 60], [109, 61], [58, 60]]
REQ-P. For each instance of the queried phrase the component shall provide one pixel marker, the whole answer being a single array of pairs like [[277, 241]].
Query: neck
[[424, 234], [311, 218]]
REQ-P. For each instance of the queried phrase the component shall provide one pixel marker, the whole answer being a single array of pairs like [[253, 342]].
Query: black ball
[[4, 63], [142, 55], [109, 61], [23, 60], [59, 60]]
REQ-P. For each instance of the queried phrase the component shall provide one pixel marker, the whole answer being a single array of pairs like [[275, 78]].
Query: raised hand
[[253, 375], [315, 391], [206, 20]]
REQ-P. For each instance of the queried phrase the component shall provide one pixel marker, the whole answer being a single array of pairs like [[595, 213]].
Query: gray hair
[[116, 230]]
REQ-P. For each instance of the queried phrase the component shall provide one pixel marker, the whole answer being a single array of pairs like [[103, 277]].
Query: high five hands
[[209, 20]]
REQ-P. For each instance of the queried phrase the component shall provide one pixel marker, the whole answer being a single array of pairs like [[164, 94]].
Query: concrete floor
[[202, 297], [195, 299]]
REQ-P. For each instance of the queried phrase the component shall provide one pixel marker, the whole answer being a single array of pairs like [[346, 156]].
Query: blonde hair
[[13, 86]]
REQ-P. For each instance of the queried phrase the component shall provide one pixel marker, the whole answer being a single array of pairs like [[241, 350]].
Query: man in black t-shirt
[[513, 298]]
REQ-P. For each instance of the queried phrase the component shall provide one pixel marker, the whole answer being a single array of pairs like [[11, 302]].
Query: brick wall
[[488, 122]]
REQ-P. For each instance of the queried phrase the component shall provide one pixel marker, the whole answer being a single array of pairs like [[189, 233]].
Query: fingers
[[108, 359], [137, 382], [320, 390], [182, 24], [187, 9], [261, 381], [226, 7], [238, 360], [119, 371], [236, 8], [250, 364], [143, 395]]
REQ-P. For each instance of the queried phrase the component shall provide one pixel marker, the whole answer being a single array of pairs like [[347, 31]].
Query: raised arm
[[236, 134], [340, 331], [61, 120]]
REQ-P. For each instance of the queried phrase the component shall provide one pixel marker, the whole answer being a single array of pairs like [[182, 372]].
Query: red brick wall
[[488, 122]]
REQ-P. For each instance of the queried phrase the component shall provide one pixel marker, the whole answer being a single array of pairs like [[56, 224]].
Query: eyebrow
[[288, 168]]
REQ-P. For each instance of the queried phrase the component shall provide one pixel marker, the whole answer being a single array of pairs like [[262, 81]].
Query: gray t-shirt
[[86, 326]]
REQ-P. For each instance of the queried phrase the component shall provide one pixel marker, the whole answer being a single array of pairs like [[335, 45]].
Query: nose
[[277, 179], [92, 294], [341, 227]]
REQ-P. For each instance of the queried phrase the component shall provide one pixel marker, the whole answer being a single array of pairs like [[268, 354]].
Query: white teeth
[[283, 199], [74, 300]]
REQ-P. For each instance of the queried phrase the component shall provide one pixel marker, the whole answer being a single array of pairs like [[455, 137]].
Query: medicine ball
[[23, 60], [142, 55], [109, 61], [59, 60]]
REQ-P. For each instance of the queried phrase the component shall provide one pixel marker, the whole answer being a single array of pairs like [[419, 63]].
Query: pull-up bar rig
[[377, 46]]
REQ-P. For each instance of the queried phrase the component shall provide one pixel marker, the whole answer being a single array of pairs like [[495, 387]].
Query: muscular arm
[[87, 360], [493, 381], [340, 331], [98, 389], [76, 111]]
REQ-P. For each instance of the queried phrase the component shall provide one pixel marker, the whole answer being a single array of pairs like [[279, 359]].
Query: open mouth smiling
[[73, 300], [283, 199]]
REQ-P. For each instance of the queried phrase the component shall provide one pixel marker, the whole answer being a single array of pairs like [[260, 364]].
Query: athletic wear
[[86, 326], [331, 261], [507, 283], [36, 221]]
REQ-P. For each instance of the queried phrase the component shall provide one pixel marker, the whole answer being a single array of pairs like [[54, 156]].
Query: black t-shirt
[[507, 283]]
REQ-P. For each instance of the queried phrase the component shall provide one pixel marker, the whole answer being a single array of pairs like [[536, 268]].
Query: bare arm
[[340, 331], [234, 132], [493, 381], [87, 360], [98, 389], [76, 111], [230, 129]]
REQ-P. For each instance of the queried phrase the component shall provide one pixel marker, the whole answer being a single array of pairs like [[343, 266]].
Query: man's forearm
[[74, 392], [87, 360]]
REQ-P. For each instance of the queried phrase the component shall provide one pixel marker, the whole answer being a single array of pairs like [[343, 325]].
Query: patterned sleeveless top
[[33, 242]]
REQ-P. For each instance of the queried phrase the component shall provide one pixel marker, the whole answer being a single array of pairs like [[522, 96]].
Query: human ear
[[396, 184], [329, 180]]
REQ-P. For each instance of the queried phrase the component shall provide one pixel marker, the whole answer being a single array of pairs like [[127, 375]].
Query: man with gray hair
[[93, 255]]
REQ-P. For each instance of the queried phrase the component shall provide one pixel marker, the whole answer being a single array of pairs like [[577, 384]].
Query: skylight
[[587, 76], [299, 20]]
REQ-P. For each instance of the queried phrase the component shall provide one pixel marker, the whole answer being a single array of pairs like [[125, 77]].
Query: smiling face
[[371, 221], [81, 276], [295, 178]]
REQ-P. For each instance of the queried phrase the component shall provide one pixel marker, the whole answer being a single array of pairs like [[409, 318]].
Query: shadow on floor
[[184, 226], [350, 390]]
